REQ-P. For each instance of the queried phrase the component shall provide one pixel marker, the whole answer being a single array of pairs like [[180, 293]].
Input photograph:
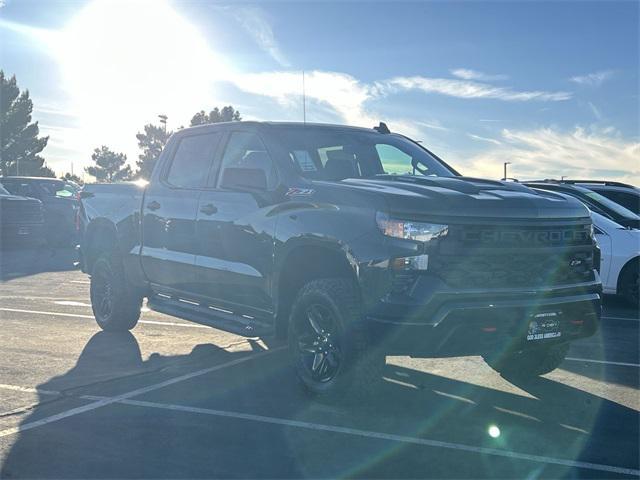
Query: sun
[[125, 62]]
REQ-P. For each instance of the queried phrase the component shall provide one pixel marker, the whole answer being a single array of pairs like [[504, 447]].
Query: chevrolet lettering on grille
[[534, 236]]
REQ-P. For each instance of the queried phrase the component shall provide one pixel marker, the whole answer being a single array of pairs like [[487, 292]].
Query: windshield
[[3, 191], [57, 188], [321, 153]]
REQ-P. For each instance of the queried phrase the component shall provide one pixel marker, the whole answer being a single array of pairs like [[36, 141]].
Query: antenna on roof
[[304, 101], [382, 128]]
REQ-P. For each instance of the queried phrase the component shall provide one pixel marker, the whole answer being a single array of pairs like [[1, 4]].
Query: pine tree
[[227, 114], [20, 144], [151, 142], [110, 166], [71, 177]]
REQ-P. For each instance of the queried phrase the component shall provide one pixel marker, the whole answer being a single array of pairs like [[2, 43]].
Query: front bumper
[[439, 321]]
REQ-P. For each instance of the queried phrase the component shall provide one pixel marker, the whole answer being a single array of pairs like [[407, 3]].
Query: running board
[[210, 316]]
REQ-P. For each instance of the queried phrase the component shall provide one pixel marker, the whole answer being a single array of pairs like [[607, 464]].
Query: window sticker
[[304, 160]]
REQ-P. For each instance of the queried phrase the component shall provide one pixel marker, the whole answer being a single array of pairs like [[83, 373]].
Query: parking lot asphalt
[[173, 399]]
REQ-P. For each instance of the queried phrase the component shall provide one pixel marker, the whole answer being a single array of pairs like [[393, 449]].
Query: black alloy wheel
[[318, 343]]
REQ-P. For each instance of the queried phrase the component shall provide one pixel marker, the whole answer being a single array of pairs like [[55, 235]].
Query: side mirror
[[244, 178]]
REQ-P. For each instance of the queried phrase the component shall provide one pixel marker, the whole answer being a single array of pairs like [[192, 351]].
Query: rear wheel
[[529, 363], [116, 306], [328, 343]]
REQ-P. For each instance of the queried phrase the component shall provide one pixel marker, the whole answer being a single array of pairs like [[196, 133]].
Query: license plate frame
[[544, 326], [24, 230]]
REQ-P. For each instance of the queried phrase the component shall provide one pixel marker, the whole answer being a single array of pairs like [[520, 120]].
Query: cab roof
[[258, 124]]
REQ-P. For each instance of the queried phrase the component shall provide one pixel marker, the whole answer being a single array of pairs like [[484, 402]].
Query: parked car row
[[616, 228], [623, 194], [58, 204]]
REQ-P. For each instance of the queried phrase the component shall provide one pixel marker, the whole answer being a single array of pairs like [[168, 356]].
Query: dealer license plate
[[544, 326]]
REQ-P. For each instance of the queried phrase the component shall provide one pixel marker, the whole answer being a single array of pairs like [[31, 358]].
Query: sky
[[551, 87]]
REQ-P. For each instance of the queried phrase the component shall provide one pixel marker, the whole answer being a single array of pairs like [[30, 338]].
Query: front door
[[235, 257], [169, 241]]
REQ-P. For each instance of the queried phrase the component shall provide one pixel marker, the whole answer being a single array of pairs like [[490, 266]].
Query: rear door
[[169, 215], [235, 234]]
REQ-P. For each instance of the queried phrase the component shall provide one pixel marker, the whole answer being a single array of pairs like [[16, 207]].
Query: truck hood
[[464, 197]]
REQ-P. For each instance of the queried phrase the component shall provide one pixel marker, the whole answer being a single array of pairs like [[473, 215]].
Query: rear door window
[[192, 160]]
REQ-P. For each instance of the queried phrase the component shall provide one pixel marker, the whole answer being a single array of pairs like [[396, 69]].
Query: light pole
[[163, 121], [505, 170]]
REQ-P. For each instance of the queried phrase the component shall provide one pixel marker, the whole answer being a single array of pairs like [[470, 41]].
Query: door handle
[[208, 209], [153, 205]]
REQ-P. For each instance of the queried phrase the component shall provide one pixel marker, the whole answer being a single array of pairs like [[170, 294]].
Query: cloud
[[550, 153], [484, 139], [342, 92], [468, 74], [255, 23], [433, 125], [594, 79], [337, 94], [471, 89]]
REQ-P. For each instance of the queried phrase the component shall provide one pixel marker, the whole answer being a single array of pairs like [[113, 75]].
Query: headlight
[[419, 231]]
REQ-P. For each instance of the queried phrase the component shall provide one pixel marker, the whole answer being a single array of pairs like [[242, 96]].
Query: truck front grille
[[514, 269]]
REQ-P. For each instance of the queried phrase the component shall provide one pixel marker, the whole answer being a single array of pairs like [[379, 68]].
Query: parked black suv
[[593, 200], [622, 193], [352, 243], [59, 201]]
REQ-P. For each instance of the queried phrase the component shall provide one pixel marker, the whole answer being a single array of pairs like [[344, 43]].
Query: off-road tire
[[529, 363], [360, 366], [125, 304]]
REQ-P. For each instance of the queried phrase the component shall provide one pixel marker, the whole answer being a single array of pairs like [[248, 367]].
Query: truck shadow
[[541, 417]]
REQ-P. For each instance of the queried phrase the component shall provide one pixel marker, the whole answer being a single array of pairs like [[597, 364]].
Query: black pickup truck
[[351, 243]]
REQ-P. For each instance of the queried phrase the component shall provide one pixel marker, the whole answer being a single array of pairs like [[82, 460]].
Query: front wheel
[[116, 306], [328, 343], [528, 363]]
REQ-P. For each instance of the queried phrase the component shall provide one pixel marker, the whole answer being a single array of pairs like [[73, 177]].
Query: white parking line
[[606, 362], [625, 319], [383, 436], [77, 315], [134, 393], [125, 399]]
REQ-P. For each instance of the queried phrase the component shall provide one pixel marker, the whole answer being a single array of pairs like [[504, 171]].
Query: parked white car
[[619, 267]]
